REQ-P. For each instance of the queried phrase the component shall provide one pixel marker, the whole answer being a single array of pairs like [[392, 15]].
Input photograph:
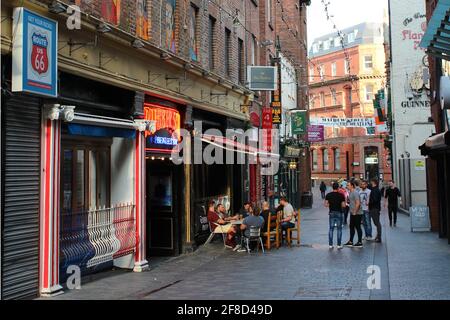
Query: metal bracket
[[102, 57], [204, 96], [217, 95], [79, 45], [172, 79], [183, 88]]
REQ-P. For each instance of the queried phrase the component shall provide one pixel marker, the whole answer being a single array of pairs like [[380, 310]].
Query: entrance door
[[371, 163], [163, 217]]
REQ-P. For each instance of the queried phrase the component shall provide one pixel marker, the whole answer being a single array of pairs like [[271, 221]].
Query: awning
[[99, 131], [437, 37], [236, 146], [434, 143]]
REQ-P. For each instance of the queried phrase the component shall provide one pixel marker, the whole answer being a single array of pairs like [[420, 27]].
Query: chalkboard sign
[[420, 218]]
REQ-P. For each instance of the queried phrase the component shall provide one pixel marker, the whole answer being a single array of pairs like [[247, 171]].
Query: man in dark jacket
[[375, 207]]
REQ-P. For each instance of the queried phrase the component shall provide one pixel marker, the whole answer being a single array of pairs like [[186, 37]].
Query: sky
[[346, 14]]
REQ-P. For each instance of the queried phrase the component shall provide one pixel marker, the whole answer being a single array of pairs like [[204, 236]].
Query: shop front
[[91, 188]]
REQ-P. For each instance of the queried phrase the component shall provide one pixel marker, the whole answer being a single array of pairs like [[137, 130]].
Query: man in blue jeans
[[335, 201], [364, 195]]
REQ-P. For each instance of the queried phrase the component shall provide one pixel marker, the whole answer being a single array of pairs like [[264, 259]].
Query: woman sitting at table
[[219, 218]]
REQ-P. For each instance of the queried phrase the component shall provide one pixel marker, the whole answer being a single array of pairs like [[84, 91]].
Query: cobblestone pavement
[[413, 266]]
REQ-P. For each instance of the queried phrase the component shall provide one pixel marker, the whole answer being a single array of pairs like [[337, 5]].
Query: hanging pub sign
[[262, 78], [344, 122], [298, 122], [276, 112], [167, 121], [34, 54]]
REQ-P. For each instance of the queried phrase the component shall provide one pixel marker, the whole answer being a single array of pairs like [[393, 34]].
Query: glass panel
[[66, 180], [103, 178], [79, 181], [92, 179]]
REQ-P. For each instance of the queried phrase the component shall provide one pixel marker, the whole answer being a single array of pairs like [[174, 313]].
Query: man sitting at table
[[253, 220], [218, 219], [245, 211], [288, 220], [266, 214]]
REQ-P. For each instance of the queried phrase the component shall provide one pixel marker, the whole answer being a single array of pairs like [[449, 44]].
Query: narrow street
[[413, 266]]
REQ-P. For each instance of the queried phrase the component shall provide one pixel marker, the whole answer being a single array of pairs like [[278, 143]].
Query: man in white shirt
[[364, 195], [288, 220]]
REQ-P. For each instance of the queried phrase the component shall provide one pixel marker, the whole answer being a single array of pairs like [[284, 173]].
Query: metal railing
[[92, 237]]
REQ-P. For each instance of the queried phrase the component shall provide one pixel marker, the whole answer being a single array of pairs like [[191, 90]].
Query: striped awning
[[437, 37]]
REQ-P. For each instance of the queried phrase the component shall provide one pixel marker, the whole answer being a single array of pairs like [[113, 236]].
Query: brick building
[[87, 149], [345, 88]]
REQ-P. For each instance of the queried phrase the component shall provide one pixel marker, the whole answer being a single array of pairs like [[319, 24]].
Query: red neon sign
[[166, 118]]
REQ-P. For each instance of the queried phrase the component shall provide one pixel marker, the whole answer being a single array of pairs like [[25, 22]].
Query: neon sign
[[167, 121], [166, 118]]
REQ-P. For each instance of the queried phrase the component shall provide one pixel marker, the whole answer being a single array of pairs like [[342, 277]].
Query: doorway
[[371, 162], [163, 207]]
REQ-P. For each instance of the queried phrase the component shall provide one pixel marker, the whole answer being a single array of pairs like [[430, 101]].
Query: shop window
[[85, 178]]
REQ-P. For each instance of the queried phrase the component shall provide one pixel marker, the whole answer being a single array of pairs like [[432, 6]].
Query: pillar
[[140, 261], [49, 211]]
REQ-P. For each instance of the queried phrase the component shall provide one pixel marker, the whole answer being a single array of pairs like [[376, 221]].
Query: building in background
[[342, 86], [410, 99], [437, 147]]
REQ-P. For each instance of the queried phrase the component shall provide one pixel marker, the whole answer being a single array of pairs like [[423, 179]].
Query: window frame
[[366, 62]]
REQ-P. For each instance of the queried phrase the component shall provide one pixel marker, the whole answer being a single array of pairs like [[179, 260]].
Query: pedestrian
[[335, 201], [355, 215], [392, 194], [288, 220], [364, 195], [375, 207], [344, 192], [323, 189]]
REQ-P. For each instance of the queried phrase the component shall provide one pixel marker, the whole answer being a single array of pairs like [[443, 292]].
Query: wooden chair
[[297, 228], [272, 236]]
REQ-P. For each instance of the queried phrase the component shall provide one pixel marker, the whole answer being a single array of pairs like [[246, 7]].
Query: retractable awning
[[437, 37], [236, 146]]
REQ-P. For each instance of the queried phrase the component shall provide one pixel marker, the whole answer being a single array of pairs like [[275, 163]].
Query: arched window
[[315, 164], [337, 160], [325, 159]]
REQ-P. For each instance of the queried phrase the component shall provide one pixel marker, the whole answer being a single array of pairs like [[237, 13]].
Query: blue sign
[[35, 53]]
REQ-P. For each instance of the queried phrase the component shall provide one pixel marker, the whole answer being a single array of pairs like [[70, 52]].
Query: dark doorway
[[163, 207], [371, 163]]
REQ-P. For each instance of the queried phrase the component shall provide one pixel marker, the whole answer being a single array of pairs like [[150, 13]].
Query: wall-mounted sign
[[262, 78], [371, 160], [291, 152], [255, 119], [298, 122], [34, 54], [316, 133], [167, 121], [419, 165], [344, 122], [276, 112], [267, 126]]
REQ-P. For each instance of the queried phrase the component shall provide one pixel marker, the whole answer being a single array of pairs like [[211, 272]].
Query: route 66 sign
[[35, 45]]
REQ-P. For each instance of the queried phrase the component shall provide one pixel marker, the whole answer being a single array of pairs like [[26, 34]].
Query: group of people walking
[[363, 202]]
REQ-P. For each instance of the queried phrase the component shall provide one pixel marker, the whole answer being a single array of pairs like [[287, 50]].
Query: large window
[[325, 160], [333, 97], [253, 53], [85, 175], [322, 72], [368, 62], [315, 163], [311, 75], [322, 99], [333, 69], [369, 92], [193, 33], [346, 67], [337, 159], [241, 67], [211, 41], [227, 51]]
